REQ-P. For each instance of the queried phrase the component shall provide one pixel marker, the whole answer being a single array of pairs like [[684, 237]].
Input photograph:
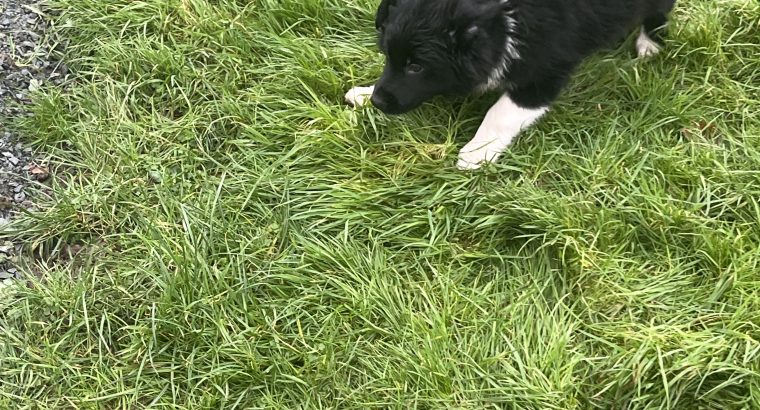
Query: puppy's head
[[436, 47]]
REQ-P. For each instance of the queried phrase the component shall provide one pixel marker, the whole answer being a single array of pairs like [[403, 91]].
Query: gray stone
[[23, 41]]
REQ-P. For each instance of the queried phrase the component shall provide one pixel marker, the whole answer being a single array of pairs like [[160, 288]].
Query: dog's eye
[[414, 68]]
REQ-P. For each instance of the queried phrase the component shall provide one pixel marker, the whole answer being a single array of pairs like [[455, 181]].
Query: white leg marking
[[645, 46], [502, 123], [358, 96]]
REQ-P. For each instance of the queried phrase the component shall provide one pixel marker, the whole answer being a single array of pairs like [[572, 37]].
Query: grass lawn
[[245, 240]]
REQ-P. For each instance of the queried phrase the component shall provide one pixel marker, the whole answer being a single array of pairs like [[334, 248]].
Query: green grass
[[250, 242]]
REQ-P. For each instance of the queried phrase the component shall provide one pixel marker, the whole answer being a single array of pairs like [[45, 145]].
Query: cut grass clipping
[[245, 240]]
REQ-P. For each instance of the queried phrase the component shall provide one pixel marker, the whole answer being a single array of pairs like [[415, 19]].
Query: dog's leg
[[514, 112], [358, 96], [653, 30], [502, 123], [645, 45]]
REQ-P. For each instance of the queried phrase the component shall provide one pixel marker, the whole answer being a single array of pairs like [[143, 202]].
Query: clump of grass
[[250, 242]]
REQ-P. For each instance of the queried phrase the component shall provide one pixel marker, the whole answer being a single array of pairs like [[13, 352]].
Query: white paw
[[474, 157], [359, 96], [645, 46]]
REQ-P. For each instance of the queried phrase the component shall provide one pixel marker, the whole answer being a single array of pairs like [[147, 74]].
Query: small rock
[[155, 176], [4, 274], [19, 197], [34, 84], [11, 158]]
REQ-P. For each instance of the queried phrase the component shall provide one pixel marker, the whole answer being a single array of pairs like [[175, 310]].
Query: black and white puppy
[[526, 49]]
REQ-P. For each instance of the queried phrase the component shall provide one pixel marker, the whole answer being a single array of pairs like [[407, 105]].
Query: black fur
[[526, 48]]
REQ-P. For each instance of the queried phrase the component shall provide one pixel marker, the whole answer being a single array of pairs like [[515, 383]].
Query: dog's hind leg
[[653, 30], [646, 46]]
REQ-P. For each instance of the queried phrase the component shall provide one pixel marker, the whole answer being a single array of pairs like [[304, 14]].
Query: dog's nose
[[379, 101]]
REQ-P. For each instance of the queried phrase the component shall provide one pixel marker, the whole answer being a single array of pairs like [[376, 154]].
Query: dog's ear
[[382, 13], [468, 25], [462, 36]]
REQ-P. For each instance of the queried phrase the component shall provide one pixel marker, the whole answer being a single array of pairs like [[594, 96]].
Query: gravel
[[25, 65]]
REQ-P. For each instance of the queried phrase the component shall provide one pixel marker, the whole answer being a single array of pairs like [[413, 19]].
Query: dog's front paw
[[359, 96], [471, 158]]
